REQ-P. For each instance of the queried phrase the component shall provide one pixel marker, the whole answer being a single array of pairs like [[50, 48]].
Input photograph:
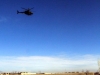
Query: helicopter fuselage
[[25, 12]]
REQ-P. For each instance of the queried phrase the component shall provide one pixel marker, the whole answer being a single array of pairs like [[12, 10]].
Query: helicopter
[[27, 11]]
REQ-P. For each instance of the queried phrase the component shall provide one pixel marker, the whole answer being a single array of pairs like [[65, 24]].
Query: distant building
[[47, 73], [27, 73], [20, 73], [66, 73]]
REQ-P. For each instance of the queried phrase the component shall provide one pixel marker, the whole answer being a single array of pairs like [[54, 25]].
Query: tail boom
[[19, 12]]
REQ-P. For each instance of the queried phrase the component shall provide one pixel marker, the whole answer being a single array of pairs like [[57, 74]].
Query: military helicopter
[[27, 11]]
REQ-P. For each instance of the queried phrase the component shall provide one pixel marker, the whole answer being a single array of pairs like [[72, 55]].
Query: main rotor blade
[[24, 8], [31, 8], [28, 8]]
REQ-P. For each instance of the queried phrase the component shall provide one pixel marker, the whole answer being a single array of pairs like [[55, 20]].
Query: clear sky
[[61, 35]]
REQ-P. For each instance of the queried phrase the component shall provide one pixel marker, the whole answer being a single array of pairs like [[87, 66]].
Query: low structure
[[66, 73], [20, 73]]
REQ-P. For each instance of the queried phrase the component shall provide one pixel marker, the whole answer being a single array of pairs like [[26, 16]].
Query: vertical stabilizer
[[17, 11]]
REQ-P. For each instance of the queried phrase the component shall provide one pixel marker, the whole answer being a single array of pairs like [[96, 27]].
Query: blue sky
[[59, 30]]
